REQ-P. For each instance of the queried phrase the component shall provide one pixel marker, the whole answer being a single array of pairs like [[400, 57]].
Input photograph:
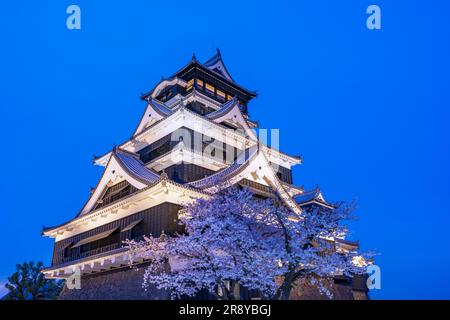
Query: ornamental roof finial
[[194, 58], [218, 52]]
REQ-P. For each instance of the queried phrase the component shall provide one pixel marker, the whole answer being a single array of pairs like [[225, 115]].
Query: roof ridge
[[215, 58]]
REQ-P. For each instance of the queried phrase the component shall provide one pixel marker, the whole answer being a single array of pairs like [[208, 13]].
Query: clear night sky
[[368, 110]]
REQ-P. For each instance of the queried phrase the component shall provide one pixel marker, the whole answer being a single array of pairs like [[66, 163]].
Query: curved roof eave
[[163, 179], [131, 165]]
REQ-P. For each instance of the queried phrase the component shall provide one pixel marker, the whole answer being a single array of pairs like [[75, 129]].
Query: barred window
[[220, 93], [190, 84], [209, 87]]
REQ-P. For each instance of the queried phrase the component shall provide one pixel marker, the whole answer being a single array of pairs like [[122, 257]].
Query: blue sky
[[368, 110]]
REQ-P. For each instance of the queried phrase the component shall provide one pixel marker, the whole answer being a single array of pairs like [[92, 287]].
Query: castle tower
[[194, 138]]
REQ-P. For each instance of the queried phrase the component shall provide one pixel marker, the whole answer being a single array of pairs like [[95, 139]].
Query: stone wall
[[340, 290], [125, 284]]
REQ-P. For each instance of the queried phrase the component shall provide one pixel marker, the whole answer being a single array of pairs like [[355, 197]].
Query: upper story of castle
[[210, 79]]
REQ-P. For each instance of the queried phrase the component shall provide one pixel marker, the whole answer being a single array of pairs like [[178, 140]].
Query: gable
[[121, 166], [219, 68], [114, 192], [257, 169]]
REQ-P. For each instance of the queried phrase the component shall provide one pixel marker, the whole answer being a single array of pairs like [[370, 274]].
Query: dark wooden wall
[[187, 172], [192, 140], [284, 174], [196, 73]]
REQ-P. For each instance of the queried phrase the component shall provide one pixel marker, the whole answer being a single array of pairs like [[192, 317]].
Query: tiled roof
[[209, 67], [347, 242], [213, 60], [227, 106], [215, 64], [160, 107], [223, 175], [136, 167], [307, 196], [164, 110], [311, 195]]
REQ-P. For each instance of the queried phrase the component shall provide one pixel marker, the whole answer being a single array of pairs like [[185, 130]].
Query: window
[[101, 243], [121, 194], [134, 230], [165, 148], [190, 84], [209, 87], [199, 108], [67, 251], [115, 193], [220, 94], [199, 83], [138, 231]]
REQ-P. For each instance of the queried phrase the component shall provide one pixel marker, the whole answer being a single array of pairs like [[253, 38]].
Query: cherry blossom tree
[[234, 239], [310, 250]]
